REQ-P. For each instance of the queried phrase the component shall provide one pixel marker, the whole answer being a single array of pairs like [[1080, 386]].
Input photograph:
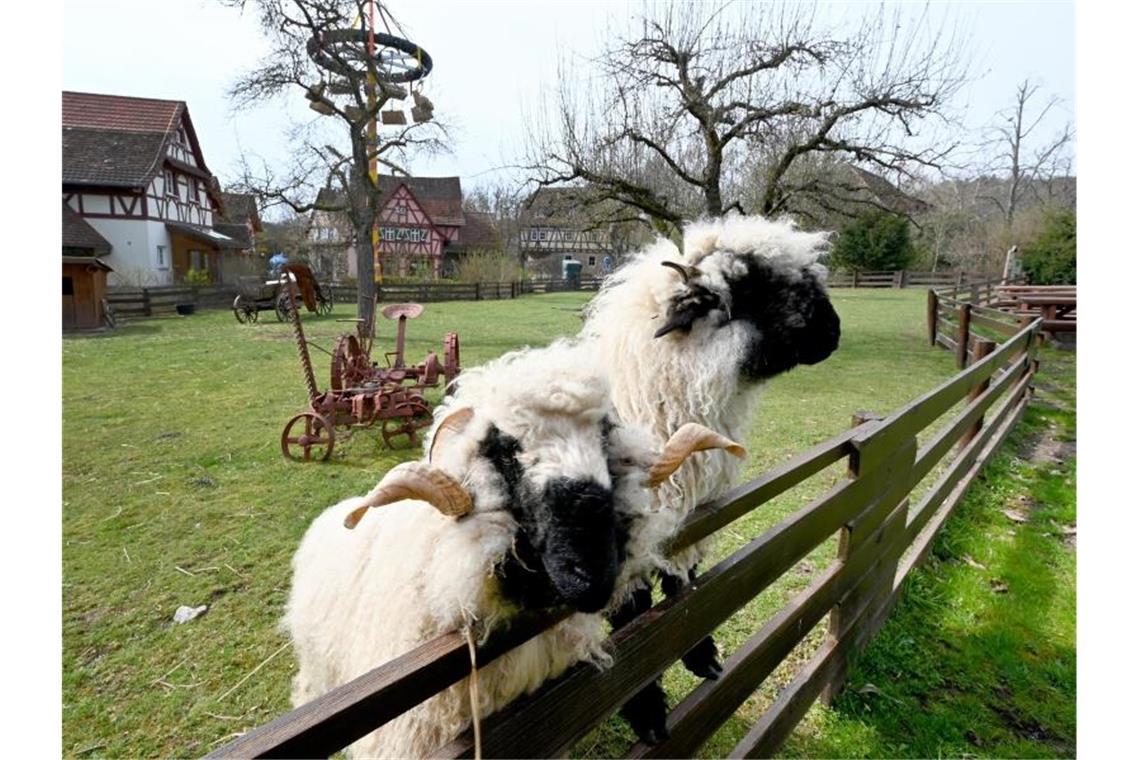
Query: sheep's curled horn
[[685, 271], [687, 440]]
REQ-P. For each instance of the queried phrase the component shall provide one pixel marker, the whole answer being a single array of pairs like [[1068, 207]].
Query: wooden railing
[[898, 278], [882, 537], [149, 302]]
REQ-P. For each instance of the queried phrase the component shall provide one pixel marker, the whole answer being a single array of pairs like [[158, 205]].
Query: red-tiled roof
[[119, 113], [120, 141], [441, 197], [480, 232]]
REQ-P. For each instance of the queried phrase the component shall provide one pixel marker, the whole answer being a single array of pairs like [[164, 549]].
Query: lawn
[[175, 493]]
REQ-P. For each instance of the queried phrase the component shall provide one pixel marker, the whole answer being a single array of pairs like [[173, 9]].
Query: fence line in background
[[882, 537]]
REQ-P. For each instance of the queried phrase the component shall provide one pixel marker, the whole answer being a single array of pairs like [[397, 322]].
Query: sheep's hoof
[[645, 712], [702, 661]]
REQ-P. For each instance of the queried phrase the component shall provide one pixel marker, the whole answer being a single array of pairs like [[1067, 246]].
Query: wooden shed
[[84, 274]]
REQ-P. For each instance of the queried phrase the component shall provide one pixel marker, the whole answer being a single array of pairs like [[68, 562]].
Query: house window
[[195, 259], [592, 260], [68, 286], [168, 180], [162, 263], [194, 190], [567, 257]]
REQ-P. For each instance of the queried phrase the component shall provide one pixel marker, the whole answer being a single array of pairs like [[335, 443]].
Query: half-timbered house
[[134, 171], [421, 225], [557, 226]]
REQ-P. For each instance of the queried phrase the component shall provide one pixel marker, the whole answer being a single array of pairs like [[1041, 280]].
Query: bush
[[197, 277], [488, 266], [874, 240], [1051, 259]]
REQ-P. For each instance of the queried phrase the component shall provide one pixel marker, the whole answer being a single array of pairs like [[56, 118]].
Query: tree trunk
[[365, 272]]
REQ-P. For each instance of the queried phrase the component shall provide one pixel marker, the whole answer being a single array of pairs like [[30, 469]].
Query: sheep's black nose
[[821, 336], [580, 552]]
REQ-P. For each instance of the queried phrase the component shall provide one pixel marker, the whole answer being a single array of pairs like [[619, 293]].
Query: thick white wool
[[407, 574], [661, 383]]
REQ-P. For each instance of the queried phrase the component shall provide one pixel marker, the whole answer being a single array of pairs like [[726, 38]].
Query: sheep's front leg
[[646, 710], [701, 660]]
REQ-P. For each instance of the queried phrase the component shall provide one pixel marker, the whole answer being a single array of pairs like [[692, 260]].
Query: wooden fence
[[885, 523], [956, 318], [898, 278], [153, 301]]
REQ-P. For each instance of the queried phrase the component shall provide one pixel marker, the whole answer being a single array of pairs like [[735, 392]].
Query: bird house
[[421, 114], [341, 87], [393, 117], [322, 107], [392, 90], [353, 113]]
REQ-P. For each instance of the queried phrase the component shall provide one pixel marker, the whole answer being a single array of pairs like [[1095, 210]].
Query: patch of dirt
[[1049, 449]]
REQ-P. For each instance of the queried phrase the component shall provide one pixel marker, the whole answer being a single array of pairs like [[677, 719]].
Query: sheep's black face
[[568, 548], [794, 321], [791, 319]]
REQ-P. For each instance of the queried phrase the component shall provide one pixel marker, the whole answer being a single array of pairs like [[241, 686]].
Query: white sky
[[491, 61]]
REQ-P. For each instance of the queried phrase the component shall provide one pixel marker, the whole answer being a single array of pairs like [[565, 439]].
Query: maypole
[[389, 63], [373, 143]]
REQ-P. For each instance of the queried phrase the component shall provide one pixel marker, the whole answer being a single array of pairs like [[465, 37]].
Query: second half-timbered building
[[134, 171], [557, 226], [422, 228]]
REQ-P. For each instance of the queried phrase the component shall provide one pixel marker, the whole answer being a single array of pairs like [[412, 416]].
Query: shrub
[[197, 277], [874, 240], [488, 266], [1051, 259]]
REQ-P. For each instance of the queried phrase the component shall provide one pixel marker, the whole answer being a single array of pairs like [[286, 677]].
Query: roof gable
[[121, 141]]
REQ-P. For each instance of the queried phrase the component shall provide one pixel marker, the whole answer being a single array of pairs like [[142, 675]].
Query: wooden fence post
[[146, 301], [961, 279], [478, 291], [904, 277], [887, 459], [932, 315], [963, 334], [855, 278], [982, 348], [896, 279]]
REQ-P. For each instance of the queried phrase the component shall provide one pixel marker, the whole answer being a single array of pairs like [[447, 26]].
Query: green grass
[[175, 492]]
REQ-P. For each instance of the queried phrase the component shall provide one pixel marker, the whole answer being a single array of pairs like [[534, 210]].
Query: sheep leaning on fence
[[532, 494], [692, 335]]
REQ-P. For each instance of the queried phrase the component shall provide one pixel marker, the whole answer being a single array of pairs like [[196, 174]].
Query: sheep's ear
[[686, 308], [689, 439], [452, 424], [420, 481]]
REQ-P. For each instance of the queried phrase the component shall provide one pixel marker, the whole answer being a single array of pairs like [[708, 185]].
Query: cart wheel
[[283, 308], [324, 306], [244, 312], [312, 439], [347, 364], [413, 416]]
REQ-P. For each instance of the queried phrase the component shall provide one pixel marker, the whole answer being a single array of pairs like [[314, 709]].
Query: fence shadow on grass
[[931, 685]]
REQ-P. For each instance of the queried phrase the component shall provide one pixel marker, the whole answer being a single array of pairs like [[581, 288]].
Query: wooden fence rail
[[882, 536]]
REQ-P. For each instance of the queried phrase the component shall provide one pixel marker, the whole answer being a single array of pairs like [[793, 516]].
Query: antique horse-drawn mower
[[362, 394], [255, 296]]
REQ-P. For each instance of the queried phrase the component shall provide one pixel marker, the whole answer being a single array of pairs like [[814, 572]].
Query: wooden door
[[69, 315]]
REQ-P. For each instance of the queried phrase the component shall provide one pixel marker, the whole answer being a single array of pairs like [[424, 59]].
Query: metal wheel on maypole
[[389, 61]]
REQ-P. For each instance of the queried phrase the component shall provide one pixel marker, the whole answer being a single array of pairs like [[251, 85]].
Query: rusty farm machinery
[[362, 394]]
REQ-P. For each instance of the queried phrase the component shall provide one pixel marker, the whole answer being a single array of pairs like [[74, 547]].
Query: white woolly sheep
[[691, 335], [532, 494]]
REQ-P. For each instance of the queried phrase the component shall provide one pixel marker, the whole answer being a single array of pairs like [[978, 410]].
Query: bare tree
[[317, 50], [701, 109], [1026, 167]]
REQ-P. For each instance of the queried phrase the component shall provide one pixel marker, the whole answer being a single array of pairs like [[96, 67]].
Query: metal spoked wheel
[[283, 307], [244, 312], [308, 437], [414, 416], [324, 306]]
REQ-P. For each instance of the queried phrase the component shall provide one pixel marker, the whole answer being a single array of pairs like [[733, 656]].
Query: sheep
[[532, 494], [693, 334]]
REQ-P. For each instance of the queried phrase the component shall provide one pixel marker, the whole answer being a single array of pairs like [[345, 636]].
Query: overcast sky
[[492, 61]]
